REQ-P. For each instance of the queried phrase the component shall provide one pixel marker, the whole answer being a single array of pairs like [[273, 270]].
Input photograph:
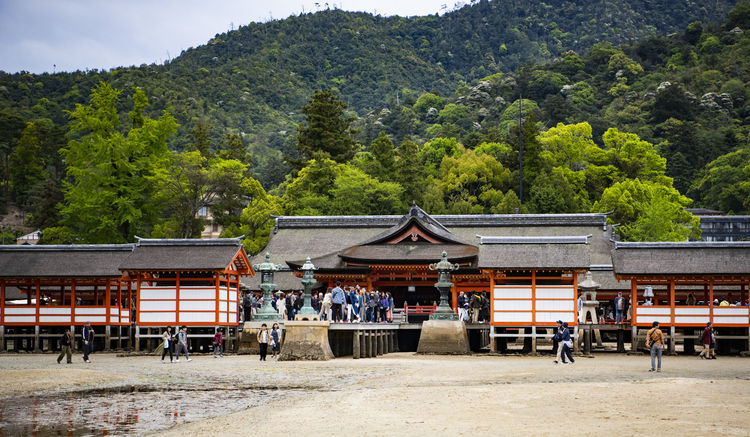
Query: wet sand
[[404, 394]]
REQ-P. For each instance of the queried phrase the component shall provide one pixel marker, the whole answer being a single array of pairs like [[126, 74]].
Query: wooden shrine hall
[[122, 290]]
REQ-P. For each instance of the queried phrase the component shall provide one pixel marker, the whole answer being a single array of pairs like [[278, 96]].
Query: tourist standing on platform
[[619, 307], [383, 307], [460, 301], [88, 341], [167, 342], [275, 340], [218, 343], [315, 302], [263, 339], [354, 307], [580, 309], [182, 344], [290, 298], [566, 344], [281, 305], [372, 307], [390, 307], [476, 306], [556, 338], [338, 299], [325, 306], [655, 341], [65, 342]]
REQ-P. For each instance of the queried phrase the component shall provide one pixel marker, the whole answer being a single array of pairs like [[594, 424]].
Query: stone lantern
[[308, 280], [266, 270], [444, 285], [588, 287]]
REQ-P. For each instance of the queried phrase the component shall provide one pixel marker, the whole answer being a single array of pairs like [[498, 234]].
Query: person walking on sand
[[168, 341], [65, 342], [566, 344], [556, 341], [182, 344], [218, 343], [88, 341], [275, 340], [655, 341], [263, 340]]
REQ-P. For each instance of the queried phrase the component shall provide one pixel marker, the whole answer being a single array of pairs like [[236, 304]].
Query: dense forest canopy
[[640, 108]]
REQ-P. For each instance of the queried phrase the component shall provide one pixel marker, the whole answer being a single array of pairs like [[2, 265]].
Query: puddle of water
[[118, 413]]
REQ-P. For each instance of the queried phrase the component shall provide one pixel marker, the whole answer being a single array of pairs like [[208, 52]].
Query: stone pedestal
[[443, 337], [306, 341]]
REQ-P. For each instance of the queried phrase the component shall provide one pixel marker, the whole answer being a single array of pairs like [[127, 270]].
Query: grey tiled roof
[[63, 260], [192, 254], [683, 258]]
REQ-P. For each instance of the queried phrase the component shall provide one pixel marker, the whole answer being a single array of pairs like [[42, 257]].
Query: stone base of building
[[443, 337], [306, 341]]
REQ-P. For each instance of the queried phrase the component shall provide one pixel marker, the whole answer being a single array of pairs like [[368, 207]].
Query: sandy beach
[[406, 394]]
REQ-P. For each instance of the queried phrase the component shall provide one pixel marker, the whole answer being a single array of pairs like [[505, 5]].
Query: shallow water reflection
[[118, 413]]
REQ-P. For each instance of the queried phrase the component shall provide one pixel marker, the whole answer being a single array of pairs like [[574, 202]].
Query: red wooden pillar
[[138, 296], [454, 298], [119, 301], [711, 300], [73, 301], [575, 297], [108, 300], [533, 298], [2, 304], [36, 286], [177, 296], [633, 302], [492, 299], [218, 296], [671, 300]]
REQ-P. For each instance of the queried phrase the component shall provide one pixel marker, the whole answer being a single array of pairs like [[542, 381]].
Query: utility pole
[[520, 147]]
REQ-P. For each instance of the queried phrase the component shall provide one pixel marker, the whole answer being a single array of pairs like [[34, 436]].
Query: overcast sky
[[69, 35]]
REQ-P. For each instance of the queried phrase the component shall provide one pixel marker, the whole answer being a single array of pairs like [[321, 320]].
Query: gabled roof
[[185, 254], [682, 258], [557, 252], [416, 218], [63, 261]]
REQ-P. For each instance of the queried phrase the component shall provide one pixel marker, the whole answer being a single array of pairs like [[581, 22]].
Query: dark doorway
[[422, 295]]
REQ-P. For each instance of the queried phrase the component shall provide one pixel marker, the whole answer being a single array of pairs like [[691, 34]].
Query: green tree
[[256, 221], [356, 193], [410, 172], [327, 131], [200, 138], [108, 194], [26, 169], [648, 211], [432, 153], [427, 101], [725, 183], [231, 147]]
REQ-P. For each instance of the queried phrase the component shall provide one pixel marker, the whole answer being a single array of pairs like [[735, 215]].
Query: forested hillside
[[419, 109]]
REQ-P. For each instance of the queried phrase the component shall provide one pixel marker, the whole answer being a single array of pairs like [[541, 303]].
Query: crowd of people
[[353, 304], [473, 307]]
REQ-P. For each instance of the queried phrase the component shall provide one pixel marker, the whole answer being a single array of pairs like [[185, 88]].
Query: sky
[[67, 35]]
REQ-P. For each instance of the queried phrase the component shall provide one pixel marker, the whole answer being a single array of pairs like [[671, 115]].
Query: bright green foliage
[[356, 193], [475, 179], [510, 115], [308, 193], [725, 183], [200, 139], [454, 114], [432, 153], [427, 101], [648, 211], [107, 193], [327, 131], [633, 157], [619, 62], [256, 221]]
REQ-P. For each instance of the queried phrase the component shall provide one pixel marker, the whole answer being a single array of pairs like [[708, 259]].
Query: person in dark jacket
[[66, 342], [383, 307], [485, 314], [566, 344], [88, 341], [706, 338]]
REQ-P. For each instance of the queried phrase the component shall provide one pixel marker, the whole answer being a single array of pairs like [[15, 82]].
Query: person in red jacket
[[218, 343], [707, 340]]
